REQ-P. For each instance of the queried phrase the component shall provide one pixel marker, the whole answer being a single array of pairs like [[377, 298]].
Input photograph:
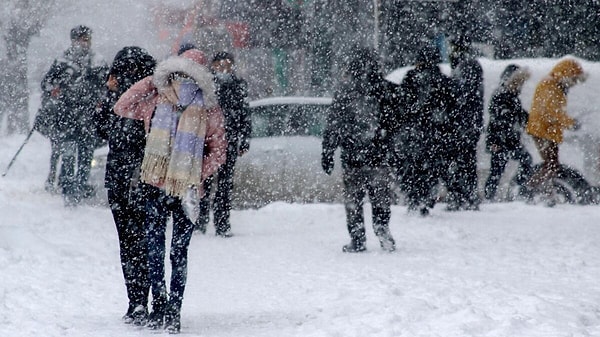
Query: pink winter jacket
[[139, 101]]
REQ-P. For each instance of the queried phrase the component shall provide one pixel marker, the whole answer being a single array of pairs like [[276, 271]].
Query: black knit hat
[[132, 64], [80, 32], [223, 55], [508, 72]]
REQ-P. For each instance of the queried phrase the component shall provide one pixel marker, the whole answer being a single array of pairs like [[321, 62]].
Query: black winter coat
[[507, 120], [467, 76], [126, 137], [233, 99], [70, 116], [361, 121], [428, 103]]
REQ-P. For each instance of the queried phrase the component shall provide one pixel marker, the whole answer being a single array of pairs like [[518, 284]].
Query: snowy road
[[509, 270]]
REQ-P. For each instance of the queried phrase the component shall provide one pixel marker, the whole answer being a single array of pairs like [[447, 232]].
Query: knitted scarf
[[175, 146]]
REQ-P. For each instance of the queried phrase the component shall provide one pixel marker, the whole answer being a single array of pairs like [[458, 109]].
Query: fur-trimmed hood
[[199, 73]]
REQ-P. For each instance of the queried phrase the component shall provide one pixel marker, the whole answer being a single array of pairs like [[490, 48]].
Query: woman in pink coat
[[185, 145]]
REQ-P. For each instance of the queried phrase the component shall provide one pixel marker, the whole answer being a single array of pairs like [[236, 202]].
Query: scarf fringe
[[154, 169], [176, 187]]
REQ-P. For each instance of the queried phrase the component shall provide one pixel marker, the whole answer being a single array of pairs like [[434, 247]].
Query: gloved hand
[[327, 163], [244, 147]]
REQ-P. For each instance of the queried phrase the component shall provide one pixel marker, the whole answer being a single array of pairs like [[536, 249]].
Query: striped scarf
[[175, 146]]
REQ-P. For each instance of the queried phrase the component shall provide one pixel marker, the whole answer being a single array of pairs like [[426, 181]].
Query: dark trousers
[[498, 164], [158, 208], [76, 167], [222, 202], [543, 179], [461, 178], [128, 213], [420, 177], [358, 182]]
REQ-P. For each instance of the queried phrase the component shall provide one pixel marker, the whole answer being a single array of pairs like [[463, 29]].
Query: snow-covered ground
[[510, 269]]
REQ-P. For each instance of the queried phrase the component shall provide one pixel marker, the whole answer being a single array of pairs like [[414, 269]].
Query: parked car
[[284, 161]]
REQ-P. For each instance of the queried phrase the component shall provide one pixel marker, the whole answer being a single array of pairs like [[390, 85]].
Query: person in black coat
[[126, 141], [232, 93], [467, 120], [75, 85], [507, 122], [427, 105], [361, 122]]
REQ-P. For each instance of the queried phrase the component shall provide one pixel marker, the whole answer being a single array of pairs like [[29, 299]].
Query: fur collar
[[198, 72]]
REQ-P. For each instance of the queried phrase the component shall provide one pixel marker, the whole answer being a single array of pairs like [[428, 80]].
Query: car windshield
[[288, 120]]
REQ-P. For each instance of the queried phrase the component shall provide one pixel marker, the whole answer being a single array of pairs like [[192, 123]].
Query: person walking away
[[427, 106], [548, 119], [467, 76], [232, 94], [507, 121], [126, 141], [77, 80], [185, 145], [357, 124]]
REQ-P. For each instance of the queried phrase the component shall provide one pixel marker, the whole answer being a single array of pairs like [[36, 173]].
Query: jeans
[[158, 208]]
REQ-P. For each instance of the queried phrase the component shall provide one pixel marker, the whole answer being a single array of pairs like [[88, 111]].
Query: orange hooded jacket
[[548, 117]]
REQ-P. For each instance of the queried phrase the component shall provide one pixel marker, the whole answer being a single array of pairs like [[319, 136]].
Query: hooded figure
[[507, 121], [467, 120], [126, 142], [548, 119], [359, 124], [427, 105]]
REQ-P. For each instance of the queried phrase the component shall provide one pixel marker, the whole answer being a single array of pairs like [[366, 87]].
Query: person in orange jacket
[[548, 119]]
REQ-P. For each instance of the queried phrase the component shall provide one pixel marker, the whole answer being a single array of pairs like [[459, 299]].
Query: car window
[[288, 120]]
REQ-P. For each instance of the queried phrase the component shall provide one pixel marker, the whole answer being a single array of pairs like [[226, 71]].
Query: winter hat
[[512, 72], [132, 63], [195, 55], [508, 72], [185, 47], [80, 32], [223, 55]]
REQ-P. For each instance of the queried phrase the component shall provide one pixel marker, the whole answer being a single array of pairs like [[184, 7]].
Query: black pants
[[357, 183], [461, 177], [76, 167], [498, 164], [127, 207], [222, 201]]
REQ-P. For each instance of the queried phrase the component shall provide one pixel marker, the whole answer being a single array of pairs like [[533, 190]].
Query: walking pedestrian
[[507, 122], [547, 121]]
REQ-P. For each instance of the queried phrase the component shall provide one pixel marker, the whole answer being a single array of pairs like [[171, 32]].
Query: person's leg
[[68, 174], [130, 253], [50, 184], [380, 197], [155, 224], [85, 154], [498, 163], [354, 194], [222, 204], [524, 171], [204, 207], [182, 234], [471, 195]]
